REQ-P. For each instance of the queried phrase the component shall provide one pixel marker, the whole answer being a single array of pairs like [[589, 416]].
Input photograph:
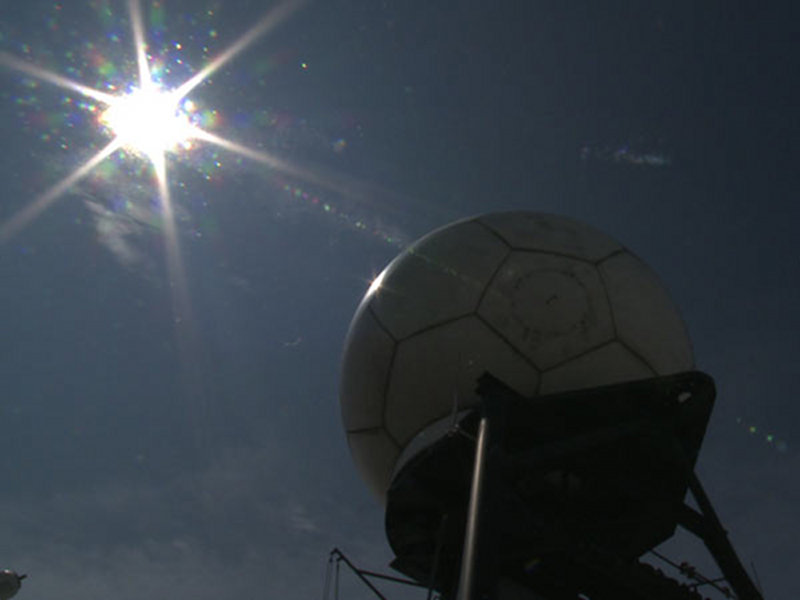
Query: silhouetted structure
[[577, 487]]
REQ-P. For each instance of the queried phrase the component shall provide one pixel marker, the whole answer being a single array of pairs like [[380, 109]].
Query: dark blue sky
[[672, 126]]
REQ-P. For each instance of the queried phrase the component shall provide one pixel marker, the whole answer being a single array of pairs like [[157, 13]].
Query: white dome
[[545, 303]]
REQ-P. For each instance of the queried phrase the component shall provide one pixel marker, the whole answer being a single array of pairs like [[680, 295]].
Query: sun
[[150, 122], [147, 122]]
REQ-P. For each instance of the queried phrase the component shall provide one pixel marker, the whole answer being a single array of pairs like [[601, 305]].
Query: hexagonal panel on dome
[[365, 371], [611, 363], [432, 368], [374, 453], [551, 233], [551, 308], [646, 318], [451, 265]]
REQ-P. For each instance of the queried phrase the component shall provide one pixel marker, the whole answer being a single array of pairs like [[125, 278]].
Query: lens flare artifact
[[147, 121]]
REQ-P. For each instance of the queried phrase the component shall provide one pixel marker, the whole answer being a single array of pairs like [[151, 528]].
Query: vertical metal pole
[[466, 581]]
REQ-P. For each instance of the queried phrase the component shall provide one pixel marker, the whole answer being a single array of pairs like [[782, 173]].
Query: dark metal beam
[[716, 540], [385, 577]]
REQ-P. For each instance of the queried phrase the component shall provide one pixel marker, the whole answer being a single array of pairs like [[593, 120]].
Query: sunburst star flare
[[148, 120]]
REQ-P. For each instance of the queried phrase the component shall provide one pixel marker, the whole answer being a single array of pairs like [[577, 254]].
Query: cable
[[336, 580], [326, 588]]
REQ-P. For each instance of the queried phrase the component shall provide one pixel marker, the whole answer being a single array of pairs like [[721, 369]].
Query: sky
[[171, 425]]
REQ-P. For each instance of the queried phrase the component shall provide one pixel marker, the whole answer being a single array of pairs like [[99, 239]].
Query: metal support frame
[[661, 421], [341, 557], [707, 526], [363, 574]]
